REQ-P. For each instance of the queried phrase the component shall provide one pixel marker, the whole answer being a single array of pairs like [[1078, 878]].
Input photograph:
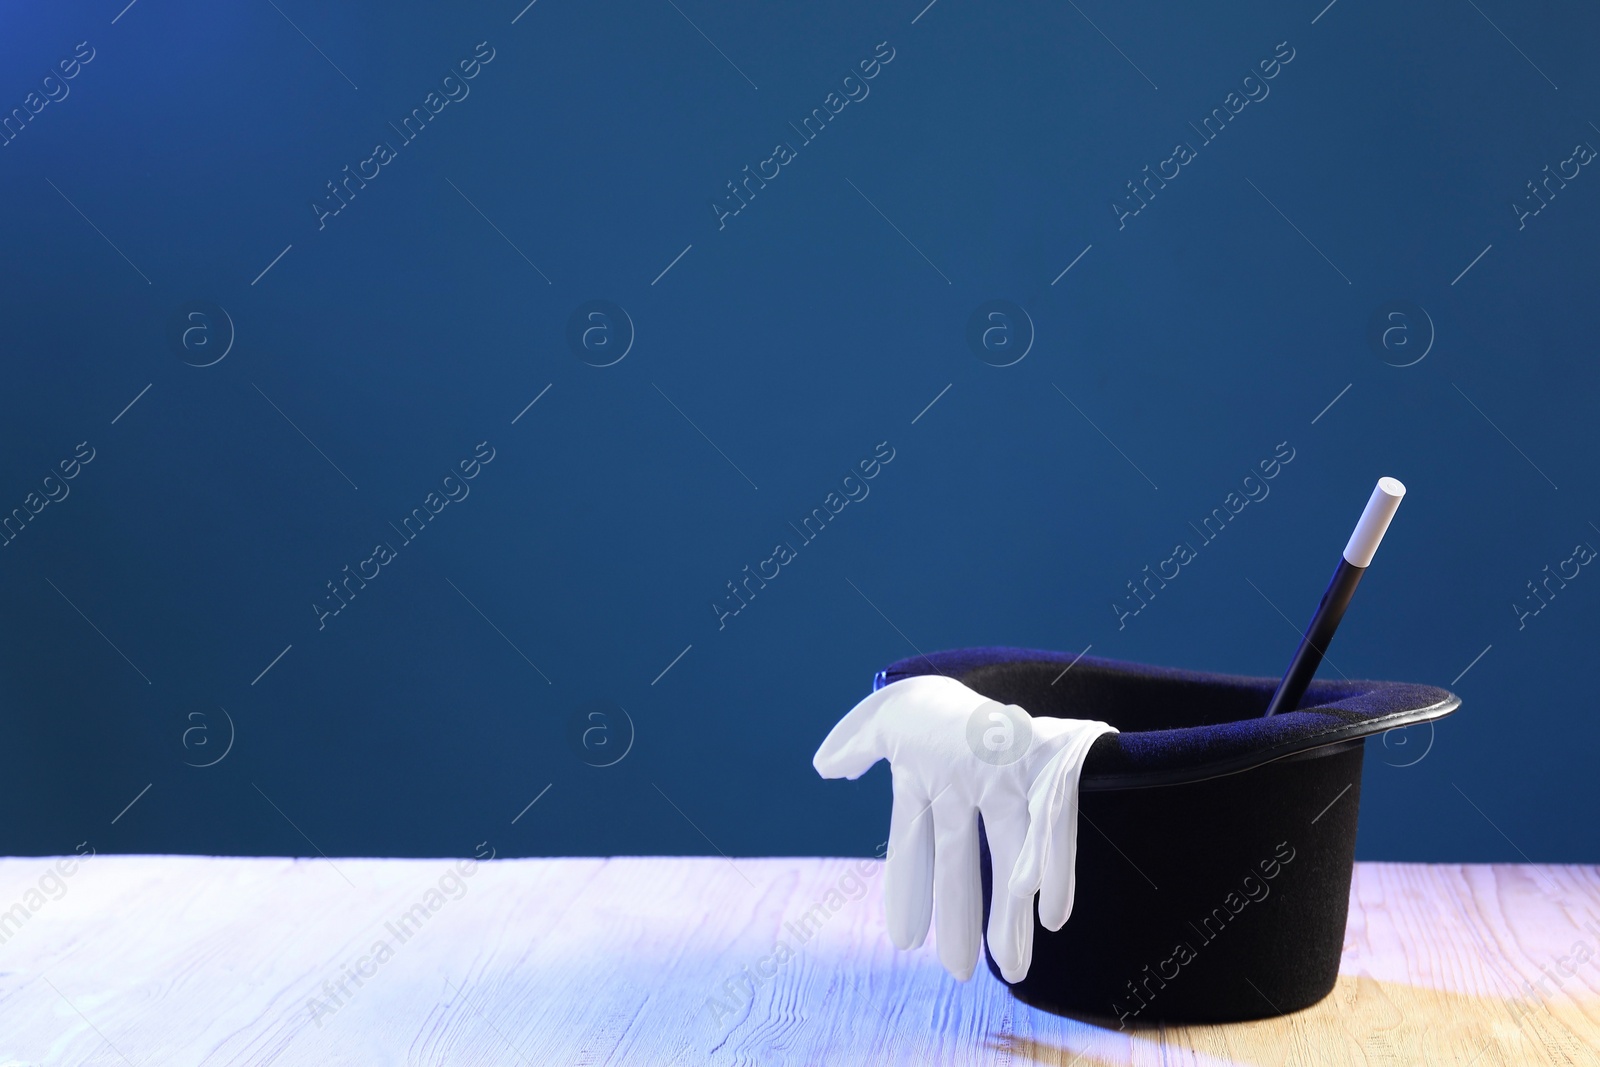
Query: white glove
[[954, 753]]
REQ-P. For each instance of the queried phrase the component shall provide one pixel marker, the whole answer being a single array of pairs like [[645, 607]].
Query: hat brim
[[1178, 726]]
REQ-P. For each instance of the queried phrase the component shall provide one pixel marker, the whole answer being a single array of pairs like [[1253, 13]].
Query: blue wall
[[174, 595]]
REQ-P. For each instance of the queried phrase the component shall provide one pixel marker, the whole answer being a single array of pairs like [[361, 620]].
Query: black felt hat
[[1216, 847]]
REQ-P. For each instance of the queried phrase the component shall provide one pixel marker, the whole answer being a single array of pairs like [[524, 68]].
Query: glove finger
[[1057, 893], [957, 890], [1059, 886], [1010, 916], [856, 741], [1044, 812], [908, 868], [1051, 799]]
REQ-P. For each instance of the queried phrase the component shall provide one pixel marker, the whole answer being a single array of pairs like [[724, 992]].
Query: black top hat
[[1214, 862]]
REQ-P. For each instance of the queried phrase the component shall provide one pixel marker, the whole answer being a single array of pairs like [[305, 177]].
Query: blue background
[[774, 354]]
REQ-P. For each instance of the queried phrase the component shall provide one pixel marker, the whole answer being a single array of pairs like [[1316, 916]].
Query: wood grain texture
[[187, 961]]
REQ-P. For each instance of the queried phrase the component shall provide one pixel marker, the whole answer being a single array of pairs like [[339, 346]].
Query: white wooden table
[[179, 960]]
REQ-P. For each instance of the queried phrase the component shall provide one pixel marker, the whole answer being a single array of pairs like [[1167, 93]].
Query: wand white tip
[[1381, 506]]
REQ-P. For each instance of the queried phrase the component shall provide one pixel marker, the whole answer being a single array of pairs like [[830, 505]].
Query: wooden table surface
[[142, 960]]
